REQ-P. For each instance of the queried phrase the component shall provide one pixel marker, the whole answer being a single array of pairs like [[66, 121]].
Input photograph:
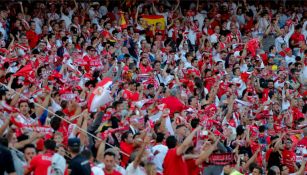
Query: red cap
[[287, 50]]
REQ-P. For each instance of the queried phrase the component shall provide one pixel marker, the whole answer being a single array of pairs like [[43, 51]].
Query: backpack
[[57, 166]]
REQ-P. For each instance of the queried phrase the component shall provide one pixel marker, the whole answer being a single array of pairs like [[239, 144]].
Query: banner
[[221, 159]]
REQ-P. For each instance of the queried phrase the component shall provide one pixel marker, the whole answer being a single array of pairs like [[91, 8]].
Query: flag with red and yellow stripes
[[154, 19]]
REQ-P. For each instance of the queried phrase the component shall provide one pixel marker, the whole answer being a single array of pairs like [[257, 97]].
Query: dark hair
[[179, 126], [271, 172], [22, 137], [240, 130], [4, 141], [116, 103], [50, 144], [87, 154], [270, 80], [261, 128], [297, 27], [30, 145], [64, 39], [160, 137], [271, 48], [258, 168], [125, 135], [136, 134], [234, 70], [194, 122], [171, 142], [109, 154], [190, 100], [55, 122]]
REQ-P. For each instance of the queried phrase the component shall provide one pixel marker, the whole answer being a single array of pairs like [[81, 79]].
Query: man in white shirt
[[159, 151], [214, 38], [134, 168], [289, 58], [161, 11], [66, 15], [283, 38]]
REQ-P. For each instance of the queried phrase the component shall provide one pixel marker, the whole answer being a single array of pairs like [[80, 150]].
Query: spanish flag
[[123, 23], [154, 19]]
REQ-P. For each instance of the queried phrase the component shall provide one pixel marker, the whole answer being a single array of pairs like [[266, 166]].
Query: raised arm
[[137, 14], [101, 149], [186, 143], [154, 8], [4, 126], [251, 160], [289, 34], [16, 96], [230, 108], [140, 154], [205, 154], [76, 6], [178, 2], [33, 137], [83, 135], [302, 168], [258, 85], [40, 110]]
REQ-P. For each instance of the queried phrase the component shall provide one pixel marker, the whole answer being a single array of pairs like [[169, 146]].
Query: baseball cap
[[74, 142]]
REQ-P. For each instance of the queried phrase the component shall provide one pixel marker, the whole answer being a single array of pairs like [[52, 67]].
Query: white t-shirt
[[192, 37], [159, 158], [200, 18], [130, 170], [67, 19], [117, 168], [214, 38], [97, 170], [38, 25], [290, 59]]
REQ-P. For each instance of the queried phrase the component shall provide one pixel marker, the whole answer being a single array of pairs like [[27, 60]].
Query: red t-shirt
[[129, 95], [289, 158], [69, 114], [303, 142], [193, 169], [222, 89], [174, 164], [145, 69], [40, 163], [254, 146], [173, 104], [249, 25], [297, 37], [128, 149], [33, 38], [113, 173]]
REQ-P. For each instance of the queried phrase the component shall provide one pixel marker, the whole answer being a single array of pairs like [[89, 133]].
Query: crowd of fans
[[216, 88]]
